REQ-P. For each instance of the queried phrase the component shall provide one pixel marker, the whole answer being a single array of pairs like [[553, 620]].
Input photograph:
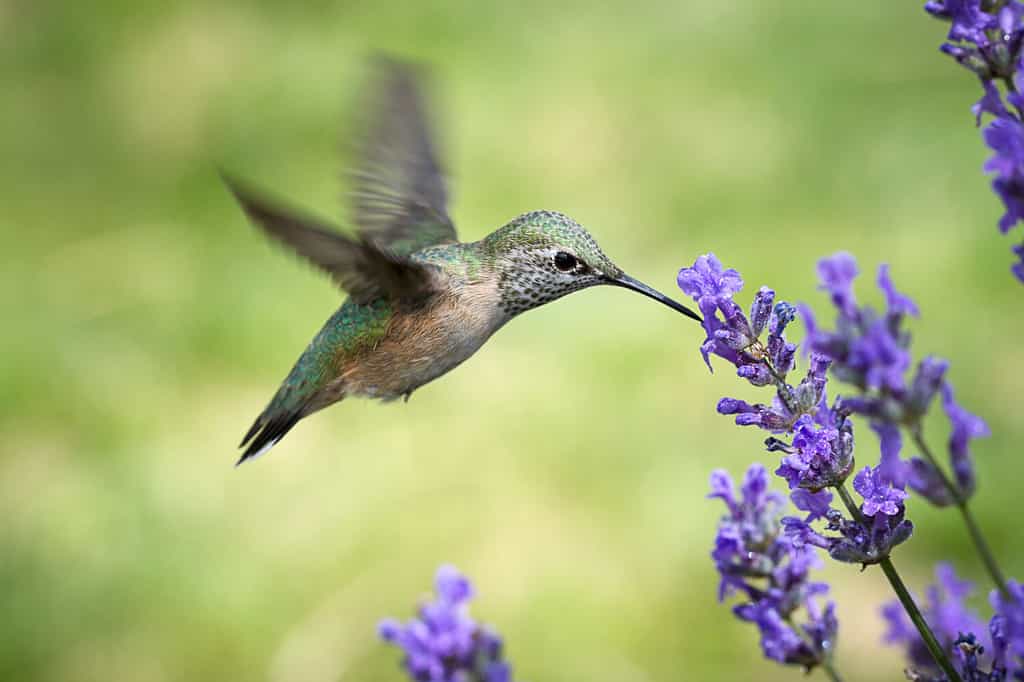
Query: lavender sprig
[[443, 643], [981, 654], [871, 351], [755, 559], [986, 36], [819, 451]]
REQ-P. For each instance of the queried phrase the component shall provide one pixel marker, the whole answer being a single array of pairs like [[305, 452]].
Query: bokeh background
[[563, 467]]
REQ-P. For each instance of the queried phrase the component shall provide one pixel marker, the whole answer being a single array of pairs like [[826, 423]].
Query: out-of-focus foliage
[[563, 467]]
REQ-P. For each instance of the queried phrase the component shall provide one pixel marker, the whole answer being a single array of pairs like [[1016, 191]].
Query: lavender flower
[[734, 338], [767, 559], [958, 629], [444, 644], [815, 439], [986, 39], [771, 572], [867, 350], [871, 351]]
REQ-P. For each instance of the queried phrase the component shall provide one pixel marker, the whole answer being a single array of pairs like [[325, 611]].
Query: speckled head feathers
[[544, 255]]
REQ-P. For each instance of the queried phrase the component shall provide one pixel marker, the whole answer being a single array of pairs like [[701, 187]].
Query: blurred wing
[[400, 198], [364, 270]]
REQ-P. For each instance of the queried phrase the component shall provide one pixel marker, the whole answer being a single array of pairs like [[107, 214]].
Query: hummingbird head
[[544, 255]]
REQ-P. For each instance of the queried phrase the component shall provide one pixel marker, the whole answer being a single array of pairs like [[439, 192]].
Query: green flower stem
[[987, 557], [927, 636]]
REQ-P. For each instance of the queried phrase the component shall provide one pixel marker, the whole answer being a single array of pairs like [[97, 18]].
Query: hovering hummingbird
[[420, 301]]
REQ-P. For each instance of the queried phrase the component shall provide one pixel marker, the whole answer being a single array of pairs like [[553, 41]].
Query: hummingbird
[[420, 302]]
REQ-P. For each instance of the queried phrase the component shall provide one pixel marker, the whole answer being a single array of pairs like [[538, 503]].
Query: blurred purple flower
[[444, 644], [752, 524], [870, 351], [923, 478], [771, 572], [867, 350], [925, 385], [986, 38], [1007, 629], [958, 629]]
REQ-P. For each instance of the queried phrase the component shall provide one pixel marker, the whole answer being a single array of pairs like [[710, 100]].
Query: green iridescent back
[[350, 329]]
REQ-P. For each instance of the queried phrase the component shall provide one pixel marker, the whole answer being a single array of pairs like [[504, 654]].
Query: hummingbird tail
[[266, 432]]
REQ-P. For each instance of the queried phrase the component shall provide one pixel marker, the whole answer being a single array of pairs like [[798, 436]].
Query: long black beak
[[627, 282]]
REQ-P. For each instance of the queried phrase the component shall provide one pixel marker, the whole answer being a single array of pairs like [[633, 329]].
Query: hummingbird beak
[[627, 282]]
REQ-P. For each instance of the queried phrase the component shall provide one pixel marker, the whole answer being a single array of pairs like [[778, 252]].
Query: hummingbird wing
[[400, 195], [362, 268]]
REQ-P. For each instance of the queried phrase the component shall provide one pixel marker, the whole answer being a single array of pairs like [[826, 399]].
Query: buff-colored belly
[[421, 346]]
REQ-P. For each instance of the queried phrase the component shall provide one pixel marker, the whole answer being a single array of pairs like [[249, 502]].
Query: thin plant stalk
[[916, 617]]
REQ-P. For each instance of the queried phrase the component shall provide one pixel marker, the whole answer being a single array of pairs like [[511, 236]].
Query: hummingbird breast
[[424, 342]]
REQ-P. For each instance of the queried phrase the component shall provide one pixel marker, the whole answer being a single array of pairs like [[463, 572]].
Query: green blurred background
[[564, 466]]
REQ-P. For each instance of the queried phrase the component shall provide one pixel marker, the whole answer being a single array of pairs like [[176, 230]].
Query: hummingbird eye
[[565, 261]]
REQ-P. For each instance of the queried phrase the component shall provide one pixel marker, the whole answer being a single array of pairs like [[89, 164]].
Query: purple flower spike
[[1018, 268], [986, 37], [771, 571], [443, 643], [868, 350]]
